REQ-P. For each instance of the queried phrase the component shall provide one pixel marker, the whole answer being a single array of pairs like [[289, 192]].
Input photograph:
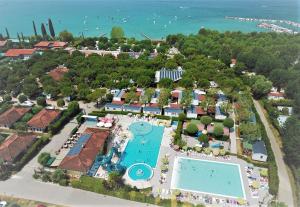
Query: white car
[[3, 203], [27, 103]]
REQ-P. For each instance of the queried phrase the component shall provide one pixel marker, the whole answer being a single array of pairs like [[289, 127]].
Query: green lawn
[[196, 121]]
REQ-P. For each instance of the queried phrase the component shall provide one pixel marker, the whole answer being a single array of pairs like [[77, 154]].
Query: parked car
[[3, 203]]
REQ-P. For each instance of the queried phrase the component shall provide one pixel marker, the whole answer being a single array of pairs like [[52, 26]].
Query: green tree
[[34, 29], [51, 28], [164, 96], [7, 33], [143, 81], [261, 86], [41, 101], [218, 130], [187, 98], [228, 122], [66, 36], [191, 129], [7, 98], [43, 158], [280, 78], [249, 131], [165, 83], [117, 33], [58, 176], [182, 117], [206, 120], [97, 95], [22, 98]]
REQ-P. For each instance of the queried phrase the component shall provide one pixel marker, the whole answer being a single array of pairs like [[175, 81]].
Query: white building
[[259, 151]]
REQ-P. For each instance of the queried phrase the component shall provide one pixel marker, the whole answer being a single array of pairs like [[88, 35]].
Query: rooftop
[[44, 118], [174, 75], [19, 52], [259, 147], [58, 73], [12, 115]]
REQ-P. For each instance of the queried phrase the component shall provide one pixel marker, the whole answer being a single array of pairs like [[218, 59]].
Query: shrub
[[44, 158], [41, 101], [203, 138], [218, 131], [22, 98], [191, 129], [181, 117], [7, 98], [228, 122], [60, 102]]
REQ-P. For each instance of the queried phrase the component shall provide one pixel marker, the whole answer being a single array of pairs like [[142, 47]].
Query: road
[[285, 193], [22, 184]]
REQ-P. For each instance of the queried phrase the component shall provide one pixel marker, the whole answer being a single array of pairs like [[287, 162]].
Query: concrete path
[[233, 148], [23, 185], [285, 193]]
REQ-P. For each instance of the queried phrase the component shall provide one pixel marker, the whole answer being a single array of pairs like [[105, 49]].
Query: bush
[[60, 102], [44, 158], [181, 117], [203, 138], [7, 98], [218, 131], [228, 122], [191, 129], [59, 176], [22, 98], [41, 101]]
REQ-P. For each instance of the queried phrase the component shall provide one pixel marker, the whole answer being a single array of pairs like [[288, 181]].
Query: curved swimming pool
[[140, 171]]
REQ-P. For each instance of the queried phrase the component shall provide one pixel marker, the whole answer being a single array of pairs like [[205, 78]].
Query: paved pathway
[[285, 193], [22, 184], [232, 136]]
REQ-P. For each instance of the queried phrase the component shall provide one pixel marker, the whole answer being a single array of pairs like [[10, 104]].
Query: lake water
[[155, 18]]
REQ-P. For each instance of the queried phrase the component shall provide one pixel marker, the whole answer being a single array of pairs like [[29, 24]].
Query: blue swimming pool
[[209, 177], [144, 146]]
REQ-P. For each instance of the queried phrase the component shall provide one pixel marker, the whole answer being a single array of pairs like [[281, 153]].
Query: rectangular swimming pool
[[144, 146], [209, 177]]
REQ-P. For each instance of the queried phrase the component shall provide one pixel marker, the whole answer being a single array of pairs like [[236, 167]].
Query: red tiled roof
[[135, 104], [118, 102], [14, 145], [12, 115], [153, 105], [49, 44], [201, 97], [276, 94], [175, 94], [3, 43], [57, 44], [19, 52], [58, 73], [83, 161], [43, 44], [175, 106], [44, 118], [200, 110]]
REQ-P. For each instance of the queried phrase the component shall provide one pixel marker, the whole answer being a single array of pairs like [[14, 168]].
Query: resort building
[[259, 151], [276, 96], [119, 95], [45, 45], [173, 111], [58, 73], [42, 120], [11, 116], [152, 109], [136, 108], [114, 106], [176, 96], [24, 54], [80, 158], [15, 145], [195, 111], [174, 75], [155, 97], [198, 97]]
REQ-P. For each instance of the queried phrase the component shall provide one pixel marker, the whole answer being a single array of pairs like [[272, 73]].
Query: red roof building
[[43, 119], [12, 115], [58, 73], [15, 145], [44, 45], [19, 53], [81, 157]]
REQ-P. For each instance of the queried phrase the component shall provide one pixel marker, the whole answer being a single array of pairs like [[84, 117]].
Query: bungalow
[[198, 96], [174, 75], [152, 109], [259, 151], [173, 111], [42, 120], [213, 84], [114, 106], [24, 54], [81, 157], [119, 95], [275, 96], [44, 45], [136, 108], [195, 112], [11, 116], [155, 97], [219, 114], [58, 73], [15, 145]]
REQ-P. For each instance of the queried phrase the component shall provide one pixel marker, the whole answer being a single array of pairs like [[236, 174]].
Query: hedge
[[96, 185]]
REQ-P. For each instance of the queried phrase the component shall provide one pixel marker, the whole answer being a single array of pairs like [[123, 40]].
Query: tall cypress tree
[[51, 28], [44, 32], [34, 28], [19, 38], [7, 33], [22, 36]]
